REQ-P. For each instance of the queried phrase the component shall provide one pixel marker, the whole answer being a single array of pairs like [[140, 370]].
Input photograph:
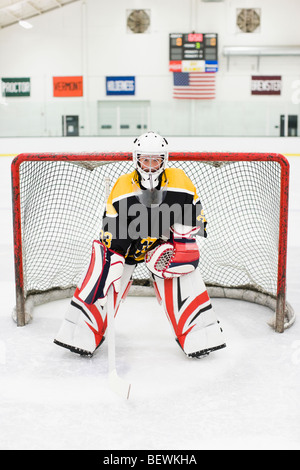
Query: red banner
[[266, 85], [67, 86]]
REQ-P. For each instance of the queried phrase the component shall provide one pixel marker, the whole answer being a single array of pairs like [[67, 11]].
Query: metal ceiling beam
[[36, 10]]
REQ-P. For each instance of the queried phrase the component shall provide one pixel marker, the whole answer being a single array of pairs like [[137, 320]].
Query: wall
[[89, 38]]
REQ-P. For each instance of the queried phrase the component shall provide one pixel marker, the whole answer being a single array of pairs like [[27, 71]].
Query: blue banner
[[120, 85]]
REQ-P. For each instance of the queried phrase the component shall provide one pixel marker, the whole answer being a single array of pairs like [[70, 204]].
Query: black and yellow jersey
[[131, 228]]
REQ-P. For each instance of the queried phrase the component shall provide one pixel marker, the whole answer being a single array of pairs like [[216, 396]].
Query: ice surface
[[243, 397]]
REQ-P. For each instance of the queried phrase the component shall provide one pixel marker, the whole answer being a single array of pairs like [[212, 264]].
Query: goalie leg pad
[[83, 328], [106, 268], [189, 310]]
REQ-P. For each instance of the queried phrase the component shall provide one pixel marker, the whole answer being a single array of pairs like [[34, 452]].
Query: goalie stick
[[116, 383], [120, 386]]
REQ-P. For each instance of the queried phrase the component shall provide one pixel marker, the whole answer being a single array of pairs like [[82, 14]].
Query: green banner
[[15, 86]]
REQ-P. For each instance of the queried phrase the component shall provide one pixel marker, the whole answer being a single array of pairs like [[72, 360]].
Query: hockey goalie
[[152, 216]]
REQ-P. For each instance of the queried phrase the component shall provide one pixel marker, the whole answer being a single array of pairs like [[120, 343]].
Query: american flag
[[194, 85]]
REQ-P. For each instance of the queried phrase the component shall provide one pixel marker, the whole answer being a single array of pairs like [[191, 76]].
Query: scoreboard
[[193, 52]]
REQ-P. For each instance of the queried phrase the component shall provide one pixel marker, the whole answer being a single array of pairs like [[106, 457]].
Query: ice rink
[[243, 397]]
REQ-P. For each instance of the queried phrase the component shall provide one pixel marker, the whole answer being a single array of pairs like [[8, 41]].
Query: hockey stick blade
[[118, 385]]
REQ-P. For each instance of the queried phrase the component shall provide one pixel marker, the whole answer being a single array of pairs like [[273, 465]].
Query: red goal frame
[[178, 156]]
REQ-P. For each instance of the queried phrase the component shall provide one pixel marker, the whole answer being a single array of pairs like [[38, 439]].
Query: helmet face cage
[[150, 156], [150, 163]]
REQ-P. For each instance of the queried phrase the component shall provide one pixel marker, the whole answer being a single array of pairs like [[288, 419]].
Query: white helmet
[[150, 156]]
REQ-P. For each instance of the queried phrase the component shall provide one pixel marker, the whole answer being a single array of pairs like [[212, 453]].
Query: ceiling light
[[25, 24]]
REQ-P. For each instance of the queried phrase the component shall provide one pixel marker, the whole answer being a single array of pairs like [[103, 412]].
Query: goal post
[[58, 203]]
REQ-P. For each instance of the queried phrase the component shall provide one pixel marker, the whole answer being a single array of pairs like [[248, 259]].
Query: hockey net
[[58, 203]]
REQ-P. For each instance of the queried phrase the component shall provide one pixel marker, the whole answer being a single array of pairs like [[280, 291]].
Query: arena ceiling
[[13, 11]]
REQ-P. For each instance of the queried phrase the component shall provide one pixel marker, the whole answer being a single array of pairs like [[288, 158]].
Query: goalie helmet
[[150, 156]]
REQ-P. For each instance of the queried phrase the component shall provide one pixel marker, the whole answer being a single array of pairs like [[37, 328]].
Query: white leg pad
[[83, 327], [77, 331], [189, 310], [203, 341]]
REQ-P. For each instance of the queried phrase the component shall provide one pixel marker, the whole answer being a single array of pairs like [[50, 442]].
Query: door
[[70, 125], [123, 118], [288, 125]]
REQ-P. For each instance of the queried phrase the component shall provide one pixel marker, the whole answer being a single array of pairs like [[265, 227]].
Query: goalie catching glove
[[177, 258]]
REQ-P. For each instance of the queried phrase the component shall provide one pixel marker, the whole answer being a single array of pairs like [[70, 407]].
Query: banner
[[11, 87], [67, 86], [266, 85], [120, 86]]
